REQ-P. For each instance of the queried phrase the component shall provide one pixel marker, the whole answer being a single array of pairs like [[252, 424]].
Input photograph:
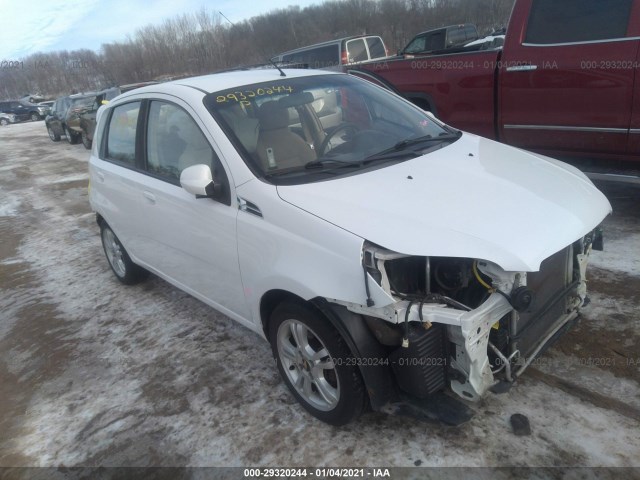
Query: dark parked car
[[84, 121], [23, 110], [66, 109]]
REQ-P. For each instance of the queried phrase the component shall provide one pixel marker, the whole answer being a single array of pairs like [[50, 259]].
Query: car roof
[[323, 44], [225, 80], [448, 27]]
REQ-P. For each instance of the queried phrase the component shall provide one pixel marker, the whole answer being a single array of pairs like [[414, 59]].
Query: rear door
[[566, 78], [54, 120]]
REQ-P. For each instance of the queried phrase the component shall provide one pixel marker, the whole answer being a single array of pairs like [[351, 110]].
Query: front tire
[[35, 117], [4, 121], [124, 269], [316, 364]]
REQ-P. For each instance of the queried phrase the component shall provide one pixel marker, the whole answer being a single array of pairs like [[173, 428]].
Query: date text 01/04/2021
[[316, 472]]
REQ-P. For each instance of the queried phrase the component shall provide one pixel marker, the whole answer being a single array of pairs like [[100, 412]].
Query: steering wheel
[[329, 137]]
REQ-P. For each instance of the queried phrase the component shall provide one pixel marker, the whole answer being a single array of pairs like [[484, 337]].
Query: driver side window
[[175, 142]]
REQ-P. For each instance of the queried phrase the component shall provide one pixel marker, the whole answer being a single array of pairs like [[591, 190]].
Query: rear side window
[[376, 47], [471, 32], [569, 21], [356, 50], [121, 137], [456, 36]]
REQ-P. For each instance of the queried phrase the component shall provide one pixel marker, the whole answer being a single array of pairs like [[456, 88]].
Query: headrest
[[245, 128], [273, 116]]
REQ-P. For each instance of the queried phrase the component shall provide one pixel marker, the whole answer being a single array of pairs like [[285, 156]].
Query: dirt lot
[[95, 373]]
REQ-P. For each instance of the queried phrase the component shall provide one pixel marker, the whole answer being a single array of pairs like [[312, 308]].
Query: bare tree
[[199, 43]]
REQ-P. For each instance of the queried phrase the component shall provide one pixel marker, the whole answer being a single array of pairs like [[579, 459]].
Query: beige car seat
[[278, 147]]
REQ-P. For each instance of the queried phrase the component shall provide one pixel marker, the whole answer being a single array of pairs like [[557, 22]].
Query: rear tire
[[85, 141], [4, 121], [34, 117], [71, 138], [53, 135], [124, 269], [316, 364]]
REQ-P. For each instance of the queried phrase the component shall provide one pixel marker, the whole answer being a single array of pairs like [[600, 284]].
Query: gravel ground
[[93, 373]]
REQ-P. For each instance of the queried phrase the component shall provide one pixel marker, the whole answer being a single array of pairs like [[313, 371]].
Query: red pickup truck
[[565, 83]]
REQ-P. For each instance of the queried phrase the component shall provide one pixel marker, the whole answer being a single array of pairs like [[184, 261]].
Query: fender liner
[[378, 377]]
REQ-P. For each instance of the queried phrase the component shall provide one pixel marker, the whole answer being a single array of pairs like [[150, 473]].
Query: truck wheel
[[124, 269], [53, 135], [85, 141], [314, 361], [71, 138]]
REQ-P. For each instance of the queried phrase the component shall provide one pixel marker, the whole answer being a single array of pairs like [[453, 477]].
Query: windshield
[[307, 129]]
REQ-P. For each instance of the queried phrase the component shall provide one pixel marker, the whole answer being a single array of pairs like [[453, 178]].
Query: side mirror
[[198, 181]]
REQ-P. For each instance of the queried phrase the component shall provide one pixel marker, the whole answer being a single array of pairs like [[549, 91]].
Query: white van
[[333, 54]]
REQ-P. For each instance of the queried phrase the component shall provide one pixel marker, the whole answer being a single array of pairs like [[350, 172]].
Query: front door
[[566, 80], [190, 241]]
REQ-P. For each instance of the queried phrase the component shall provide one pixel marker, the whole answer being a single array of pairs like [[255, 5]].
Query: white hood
[[475, 198]]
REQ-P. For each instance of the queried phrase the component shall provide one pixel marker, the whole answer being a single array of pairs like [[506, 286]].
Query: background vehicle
[[65, 110], [32, 98], [86, 123], [332, 54], [23, 110], [357, 312], [565, 83], [7, 118], [48, 105], [440, 39]]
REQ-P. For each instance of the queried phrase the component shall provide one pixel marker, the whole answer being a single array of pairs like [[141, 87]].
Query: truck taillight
[[345, 57]]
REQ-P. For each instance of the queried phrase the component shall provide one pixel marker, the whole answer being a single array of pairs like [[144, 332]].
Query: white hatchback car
[[388, 258]]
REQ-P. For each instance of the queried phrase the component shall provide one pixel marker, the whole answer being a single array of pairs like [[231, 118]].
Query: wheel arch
[[378, 378]]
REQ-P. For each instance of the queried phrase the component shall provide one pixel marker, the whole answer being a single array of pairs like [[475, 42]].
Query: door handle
[[149, 196], [522, 68]]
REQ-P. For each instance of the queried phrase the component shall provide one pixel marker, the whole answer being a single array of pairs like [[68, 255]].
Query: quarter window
[[121, 139], [570, 21]]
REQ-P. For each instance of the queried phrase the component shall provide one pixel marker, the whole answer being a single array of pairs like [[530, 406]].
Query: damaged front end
[[466, 323]]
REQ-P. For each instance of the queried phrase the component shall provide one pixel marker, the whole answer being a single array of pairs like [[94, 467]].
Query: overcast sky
[[31, 26]]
